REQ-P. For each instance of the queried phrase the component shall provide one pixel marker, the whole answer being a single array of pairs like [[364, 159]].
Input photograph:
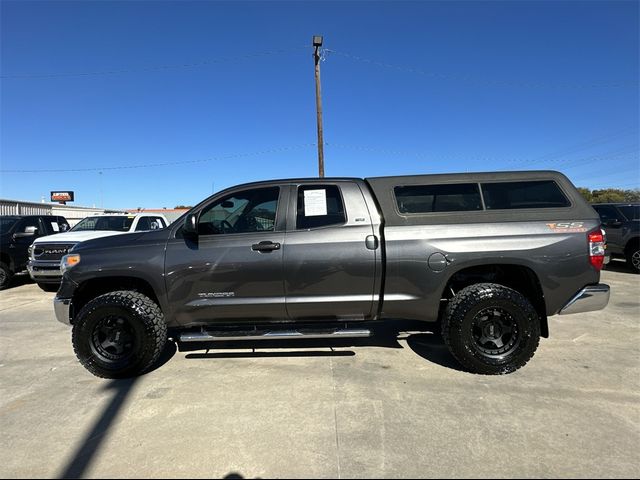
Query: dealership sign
[[62, 197]]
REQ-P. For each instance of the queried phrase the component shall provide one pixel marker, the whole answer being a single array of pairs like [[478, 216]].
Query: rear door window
[[55, 224], [150, 223], [631, 212], [143, 224], [516, 195], [607, 213], [319, 206], [458, 197]]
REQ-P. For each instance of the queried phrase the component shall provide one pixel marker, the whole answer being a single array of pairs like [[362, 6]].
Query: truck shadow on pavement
[[18, 280], [619, 266], [92, 441], [419, 337], [90, 445], [424, 343]]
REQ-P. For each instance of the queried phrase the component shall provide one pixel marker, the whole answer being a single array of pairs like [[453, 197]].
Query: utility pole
[[317, 43], [101, 200]]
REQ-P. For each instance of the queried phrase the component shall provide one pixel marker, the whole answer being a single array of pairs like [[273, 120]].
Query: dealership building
[[74, 213]]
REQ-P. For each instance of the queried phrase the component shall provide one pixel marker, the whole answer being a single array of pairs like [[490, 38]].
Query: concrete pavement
[[398, 410]]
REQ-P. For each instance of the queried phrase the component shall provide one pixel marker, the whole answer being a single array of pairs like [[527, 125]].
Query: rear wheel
[[119, 334], [491, 329], [5, 276]]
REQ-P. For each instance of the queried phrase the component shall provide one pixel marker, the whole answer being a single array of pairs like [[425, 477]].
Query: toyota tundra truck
[[485, 257]]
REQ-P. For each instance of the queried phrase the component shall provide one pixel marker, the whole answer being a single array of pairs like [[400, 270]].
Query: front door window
[[243, 212]]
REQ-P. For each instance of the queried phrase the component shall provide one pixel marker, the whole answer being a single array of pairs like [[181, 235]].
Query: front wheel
[[491, 329], [119, 334], [5, 276]]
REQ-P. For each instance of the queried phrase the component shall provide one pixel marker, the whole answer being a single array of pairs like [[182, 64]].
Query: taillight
[[597, 247]]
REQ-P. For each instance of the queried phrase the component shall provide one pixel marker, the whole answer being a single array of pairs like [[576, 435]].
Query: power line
[[486, 81], [572, 162], [210, 61], [581, 146], [600, 174], [432, 157], [166, 164], [579, 162]]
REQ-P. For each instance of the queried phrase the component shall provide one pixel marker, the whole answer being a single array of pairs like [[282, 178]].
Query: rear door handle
[[265, 246]]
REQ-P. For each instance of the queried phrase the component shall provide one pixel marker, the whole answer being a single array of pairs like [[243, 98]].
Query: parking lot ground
[[396, 408]]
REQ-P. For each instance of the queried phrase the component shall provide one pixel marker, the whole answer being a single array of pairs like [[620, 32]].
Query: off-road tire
[[146, 334], [5, 276], [464, 316], [49, 287]]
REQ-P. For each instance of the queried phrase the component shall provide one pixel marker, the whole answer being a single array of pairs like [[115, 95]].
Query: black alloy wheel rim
[[635, 259], [495, 332], [113, 339], [3, 276]]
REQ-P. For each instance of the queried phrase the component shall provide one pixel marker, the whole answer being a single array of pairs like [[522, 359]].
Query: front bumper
[[589, 299], [62, 307], [44, 271]]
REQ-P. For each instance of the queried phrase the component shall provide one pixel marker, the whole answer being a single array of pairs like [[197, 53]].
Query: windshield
[[632, 212], [6, 223], [118, 223]]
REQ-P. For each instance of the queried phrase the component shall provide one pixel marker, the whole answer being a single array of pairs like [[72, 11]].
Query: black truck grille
[[52, 251]]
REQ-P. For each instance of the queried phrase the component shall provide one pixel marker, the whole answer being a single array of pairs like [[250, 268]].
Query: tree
[[187, 207], [610, 195], [586, 193]]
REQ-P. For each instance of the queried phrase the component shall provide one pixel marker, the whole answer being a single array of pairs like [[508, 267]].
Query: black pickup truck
[[490, 256], [17, 232]]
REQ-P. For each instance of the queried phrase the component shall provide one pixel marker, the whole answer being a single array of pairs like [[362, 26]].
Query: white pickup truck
[[45, 252]]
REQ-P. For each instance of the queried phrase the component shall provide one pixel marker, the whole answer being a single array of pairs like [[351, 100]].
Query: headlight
[[69, 261], [30, 250]]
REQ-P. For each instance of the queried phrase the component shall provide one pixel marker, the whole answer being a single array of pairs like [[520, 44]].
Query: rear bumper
[[589, 299]]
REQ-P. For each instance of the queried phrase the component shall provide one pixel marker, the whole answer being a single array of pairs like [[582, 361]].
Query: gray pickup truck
[[489, 256]]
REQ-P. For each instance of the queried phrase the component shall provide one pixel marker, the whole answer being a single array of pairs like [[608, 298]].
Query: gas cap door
[[437, 262]]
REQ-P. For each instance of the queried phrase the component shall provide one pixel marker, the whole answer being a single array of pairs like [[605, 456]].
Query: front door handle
[[265, 246]]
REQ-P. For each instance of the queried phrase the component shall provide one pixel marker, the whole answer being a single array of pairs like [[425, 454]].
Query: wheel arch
[[632, 243], [94, 287], [7, 260], [520, 278]]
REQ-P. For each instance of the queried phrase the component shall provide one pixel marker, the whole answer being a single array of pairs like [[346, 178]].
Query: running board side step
[[301, 334]]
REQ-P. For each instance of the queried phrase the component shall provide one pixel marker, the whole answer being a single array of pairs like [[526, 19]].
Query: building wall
[[16, 207], [73, 213]]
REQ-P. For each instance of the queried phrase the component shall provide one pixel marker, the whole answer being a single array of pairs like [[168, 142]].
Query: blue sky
[[223, 93]]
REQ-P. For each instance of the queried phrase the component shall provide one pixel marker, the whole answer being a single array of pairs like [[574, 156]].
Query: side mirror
[[190, 225], [28, 232], [227, 204]]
